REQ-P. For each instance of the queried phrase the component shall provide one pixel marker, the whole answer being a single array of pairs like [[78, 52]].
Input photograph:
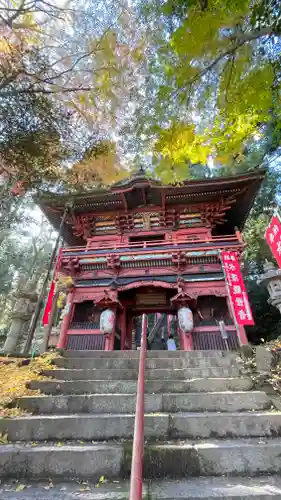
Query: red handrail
[[145, 245], [137, 455]]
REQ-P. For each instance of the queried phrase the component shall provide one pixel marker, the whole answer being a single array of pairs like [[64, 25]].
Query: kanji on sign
[[242, 315], [239, 301], [231, 267], [237, 289], [273, 238]]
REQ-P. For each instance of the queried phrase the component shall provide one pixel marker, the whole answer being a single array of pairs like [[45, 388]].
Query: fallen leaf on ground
[[20, 487]]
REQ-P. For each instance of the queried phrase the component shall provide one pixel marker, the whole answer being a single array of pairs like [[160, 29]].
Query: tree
[[99, 165], [267, 318], [60, 94], [26, 249], [213, 79], [86, 63]]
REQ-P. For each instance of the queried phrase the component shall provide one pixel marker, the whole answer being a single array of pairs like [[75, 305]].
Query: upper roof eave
[[114, 198], [60, 199]]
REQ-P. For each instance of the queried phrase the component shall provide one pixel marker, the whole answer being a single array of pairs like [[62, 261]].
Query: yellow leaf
[[4, 438], [20, 487]]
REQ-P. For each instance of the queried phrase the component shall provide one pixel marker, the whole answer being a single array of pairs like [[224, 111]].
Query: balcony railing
[[210, 338], [84, 325], [204, 243]]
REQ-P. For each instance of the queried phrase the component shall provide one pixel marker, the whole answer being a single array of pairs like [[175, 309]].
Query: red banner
[[273, 238], [237, 289], [49, 303], [48, 306]]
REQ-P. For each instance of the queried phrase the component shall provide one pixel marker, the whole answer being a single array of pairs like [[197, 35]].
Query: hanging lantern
[[185, 319], [107, 321]]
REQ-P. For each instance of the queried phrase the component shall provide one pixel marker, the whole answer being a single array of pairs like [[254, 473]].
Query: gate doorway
[[155, 302], [160, 327]]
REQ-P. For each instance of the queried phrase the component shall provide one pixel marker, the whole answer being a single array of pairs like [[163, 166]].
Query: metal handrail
[[138, 442]]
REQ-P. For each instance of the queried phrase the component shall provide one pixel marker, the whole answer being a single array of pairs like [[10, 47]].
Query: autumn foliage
[[15, 375]]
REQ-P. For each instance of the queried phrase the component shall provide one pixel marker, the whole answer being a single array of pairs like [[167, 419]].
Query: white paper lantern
[[107, 321], [185, 319]]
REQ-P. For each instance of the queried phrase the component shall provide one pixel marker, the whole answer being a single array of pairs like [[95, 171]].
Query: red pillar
[[169, 320], [123, 328], [107, 346], [187, 344], [242, 337], [129, 331], [109, 343], [66, 320]]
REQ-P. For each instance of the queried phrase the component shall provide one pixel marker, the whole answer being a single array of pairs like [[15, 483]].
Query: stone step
[[150, 374], [126, 403], [248, 457], [264, 488], [132, 363], [152, 386], [63, 461], [224, 425], [81, 427], [150, 354], [217, 488], [72, 490], [160, 425]]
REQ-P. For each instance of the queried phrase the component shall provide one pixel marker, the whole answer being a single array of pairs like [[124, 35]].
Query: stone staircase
[[207, 433]]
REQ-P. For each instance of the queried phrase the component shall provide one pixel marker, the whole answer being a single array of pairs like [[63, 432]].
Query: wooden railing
[[84, 325], [138, 442], [107, 245], [209, 338]]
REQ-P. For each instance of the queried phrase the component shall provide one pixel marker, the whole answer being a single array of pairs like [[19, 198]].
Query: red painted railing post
[[137, 455]]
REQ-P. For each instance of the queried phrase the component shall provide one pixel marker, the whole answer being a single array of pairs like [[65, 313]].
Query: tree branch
[[240, 40], [32, 90], [248, 37], [17, 13]]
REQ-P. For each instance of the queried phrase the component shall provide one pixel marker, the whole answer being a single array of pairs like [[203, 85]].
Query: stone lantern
[[272, 279], [25, 301]]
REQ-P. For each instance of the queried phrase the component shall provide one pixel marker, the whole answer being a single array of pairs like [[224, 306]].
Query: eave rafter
[[82, 225], [214, 213]]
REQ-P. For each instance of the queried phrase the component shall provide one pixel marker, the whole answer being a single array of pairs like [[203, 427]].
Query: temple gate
[[141, 247]]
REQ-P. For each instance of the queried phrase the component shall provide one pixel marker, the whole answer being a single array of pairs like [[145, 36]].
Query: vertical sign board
[[237, 290], [273, 238]]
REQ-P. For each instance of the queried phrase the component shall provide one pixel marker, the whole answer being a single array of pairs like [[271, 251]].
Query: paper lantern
[[185, 319], [107, 321]]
